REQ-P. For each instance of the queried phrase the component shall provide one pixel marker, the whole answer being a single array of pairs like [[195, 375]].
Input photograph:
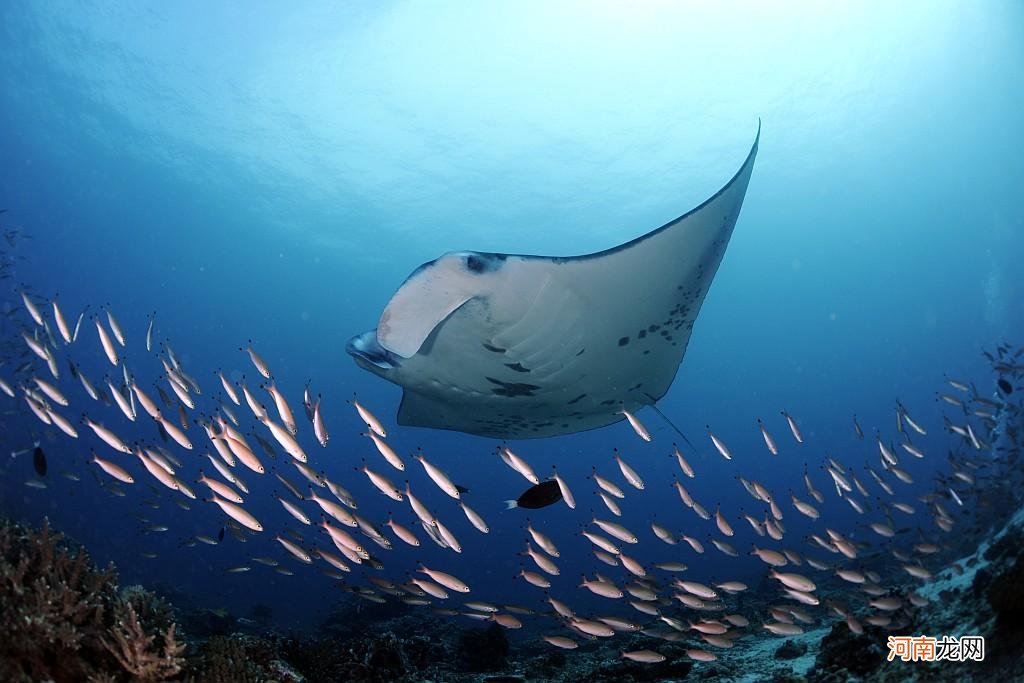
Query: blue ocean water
[[251, 171]]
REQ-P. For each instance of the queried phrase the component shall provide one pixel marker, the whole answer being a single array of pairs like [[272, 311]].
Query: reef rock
[[790, 650]]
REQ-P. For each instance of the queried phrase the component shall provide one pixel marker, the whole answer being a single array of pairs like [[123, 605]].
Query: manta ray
[[514, 346]]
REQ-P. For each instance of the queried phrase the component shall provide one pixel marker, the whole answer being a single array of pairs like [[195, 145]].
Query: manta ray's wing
[[514, 346]]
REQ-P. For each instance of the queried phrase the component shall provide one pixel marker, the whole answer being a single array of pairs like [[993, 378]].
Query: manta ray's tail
[[670, 422]]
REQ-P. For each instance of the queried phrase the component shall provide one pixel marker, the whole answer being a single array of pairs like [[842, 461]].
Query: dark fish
[[72, 368], [1005, 386], [308, 405], [264, 444], [162, 431], [220, 535], [539, 496], [39, 461], [164, 397]]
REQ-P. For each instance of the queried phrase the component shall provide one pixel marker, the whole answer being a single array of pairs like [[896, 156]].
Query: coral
[[202, 622], [59, 612], [52, 602], [144, 656], [319, 658], [150, 608], [676, 668], [235, 658], [376, 658], [787, 677], [483, 649], [603, 663], [386, 657], [283, 672], [548, 664]]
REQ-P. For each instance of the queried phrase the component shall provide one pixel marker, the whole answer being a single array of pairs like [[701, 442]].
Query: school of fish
[[209, 451]]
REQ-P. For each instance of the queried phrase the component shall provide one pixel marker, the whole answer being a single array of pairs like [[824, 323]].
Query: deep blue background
[[249, 171]]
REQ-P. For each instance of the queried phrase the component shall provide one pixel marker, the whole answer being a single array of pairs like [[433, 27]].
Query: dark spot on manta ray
[[609, 402], [647, 352], [577, 399], [518, 367], [641, 334], [495, 349], [623, 341], [512, 389], [482, 263]]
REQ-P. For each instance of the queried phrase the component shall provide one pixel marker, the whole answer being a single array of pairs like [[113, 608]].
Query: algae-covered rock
[[843, 653], [1006, 593], [790, 650]]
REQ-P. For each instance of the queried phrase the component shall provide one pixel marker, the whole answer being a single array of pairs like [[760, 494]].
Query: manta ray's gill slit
[[512, 389]]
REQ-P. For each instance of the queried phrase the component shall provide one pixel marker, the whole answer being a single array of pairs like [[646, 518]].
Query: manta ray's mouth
[[370, 354]]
